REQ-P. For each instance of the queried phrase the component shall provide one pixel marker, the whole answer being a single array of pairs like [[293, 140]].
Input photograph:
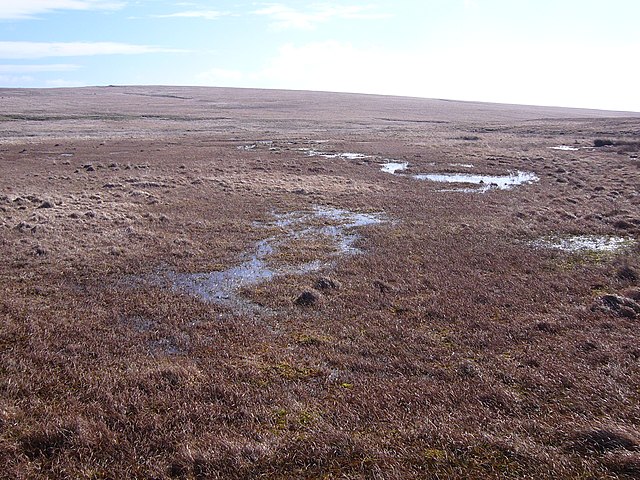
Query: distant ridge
[[243, 102]]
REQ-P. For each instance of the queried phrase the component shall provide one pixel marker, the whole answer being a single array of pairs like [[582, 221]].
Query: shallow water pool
[[393, 167], [335, 226], [578, 243], [565, 148], [346, 155], [486, 182]]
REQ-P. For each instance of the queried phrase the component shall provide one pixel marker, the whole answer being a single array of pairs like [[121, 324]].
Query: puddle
[[393, 167], [462, 165], [346, 155], [220, 287], [342, 232], [335, 227], [565, 148], [486, 182], [583, 243]]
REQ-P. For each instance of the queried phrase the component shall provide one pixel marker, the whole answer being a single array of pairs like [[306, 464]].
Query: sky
[[574, 53]]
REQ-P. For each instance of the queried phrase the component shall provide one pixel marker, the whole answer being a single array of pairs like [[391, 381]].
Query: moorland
[[224, 283]]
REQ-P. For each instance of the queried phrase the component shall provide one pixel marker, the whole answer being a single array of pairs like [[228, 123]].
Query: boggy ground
[[450, 347]]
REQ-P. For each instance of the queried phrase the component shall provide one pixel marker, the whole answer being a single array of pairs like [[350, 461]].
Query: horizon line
[[72, 87]]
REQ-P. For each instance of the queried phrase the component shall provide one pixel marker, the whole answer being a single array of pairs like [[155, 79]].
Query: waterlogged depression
[[346, 155], [336, 228], [393, 167], [485, 182], [585, 243], [462, 165], [565, 148]]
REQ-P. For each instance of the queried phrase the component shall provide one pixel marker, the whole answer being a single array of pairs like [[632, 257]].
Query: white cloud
[[56, 67], [22, 50], [204, 14], [284, 17], [523, 74], [330, 66], [21, 9]]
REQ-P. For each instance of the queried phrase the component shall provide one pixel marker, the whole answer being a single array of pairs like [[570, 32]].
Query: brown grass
[[450, 348]]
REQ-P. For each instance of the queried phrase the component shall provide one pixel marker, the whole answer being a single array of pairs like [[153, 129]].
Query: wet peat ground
[[217, 283]]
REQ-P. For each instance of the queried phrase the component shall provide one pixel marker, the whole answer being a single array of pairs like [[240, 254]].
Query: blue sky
[[580, 53]]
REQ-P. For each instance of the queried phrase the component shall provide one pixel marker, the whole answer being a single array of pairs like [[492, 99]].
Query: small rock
[[46, 204], [308, 298], [326, 283]]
